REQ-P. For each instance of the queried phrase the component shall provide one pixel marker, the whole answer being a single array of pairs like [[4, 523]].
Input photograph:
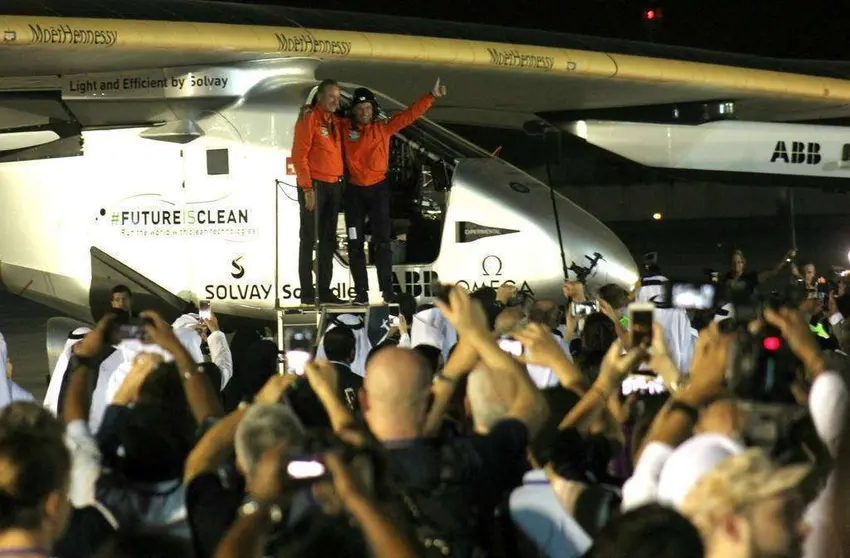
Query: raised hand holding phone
[[204, 310], [641, 318], [298, 342]]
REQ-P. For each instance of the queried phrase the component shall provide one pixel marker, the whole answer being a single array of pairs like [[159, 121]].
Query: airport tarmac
[[22, 323]]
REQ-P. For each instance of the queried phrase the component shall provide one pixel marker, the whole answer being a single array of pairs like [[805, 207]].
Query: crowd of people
[[483, 425]]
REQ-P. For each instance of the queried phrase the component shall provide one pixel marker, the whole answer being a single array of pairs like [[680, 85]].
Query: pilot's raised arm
[[408, 116], [317, 158], [367, 148]]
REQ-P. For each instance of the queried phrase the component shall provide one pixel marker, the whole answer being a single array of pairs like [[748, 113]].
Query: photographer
[[448, 489], [827, 404], [250, 533], [808, 276], [215, 491], [132, 473], [287, 474], [576, 448], [736, 277]]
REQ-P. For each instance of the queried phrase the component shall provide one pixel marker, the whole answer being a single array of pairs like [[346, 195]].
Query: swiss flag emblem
[[290, 167]]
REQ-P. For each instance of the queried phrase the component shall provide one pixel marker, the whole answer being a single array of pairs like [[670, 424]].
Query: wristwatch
[[252, 507], [199, 371]]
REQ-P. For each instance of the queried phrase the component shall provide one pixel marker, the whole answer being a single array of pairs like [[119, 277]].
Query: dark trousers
[[324, 217], [373, 201]]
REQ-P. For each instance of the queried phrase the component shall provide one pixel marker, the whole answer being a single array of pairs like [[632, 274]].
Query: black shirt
[[86, 532], [455, 482], [349, 385], [748, 281], [489, 461], [212, 505]]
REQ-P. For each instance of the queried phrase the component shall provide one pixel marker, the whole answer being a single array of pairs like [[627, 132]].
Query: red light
[[772, 343], [652, 14]]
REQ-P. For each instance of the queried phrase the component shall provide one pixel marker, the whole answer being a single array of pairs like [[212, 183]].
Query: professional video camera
[[761, 373], [582, 273], [761, 367]]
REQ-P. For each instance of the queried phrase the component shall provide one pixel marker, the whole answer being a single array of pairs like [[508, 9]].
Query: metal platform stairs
[[374, 317]]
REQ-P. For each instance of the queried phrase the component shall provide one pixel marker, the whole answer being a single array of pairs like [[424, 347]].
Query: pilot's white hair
[[262, 428], [488, 408]]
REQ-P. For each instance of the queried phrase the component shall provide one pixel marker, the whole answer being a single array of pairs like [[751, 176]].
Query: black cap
[[362, 95]]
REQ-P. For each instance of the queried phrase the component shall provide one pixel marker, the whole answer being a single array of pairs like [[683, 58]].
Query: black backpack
[[443, 517]]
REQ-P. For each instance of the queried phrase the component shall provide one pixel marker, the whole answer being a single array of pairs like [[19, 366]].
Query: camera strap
[[426, 534]]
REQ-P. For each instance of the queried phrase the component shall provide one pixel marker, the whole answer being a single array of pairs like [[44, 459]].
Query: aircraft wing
[[497, 77]]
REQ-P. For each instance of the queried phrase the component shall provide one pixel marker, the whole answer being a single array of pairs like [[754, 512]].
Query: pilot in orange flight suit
[[317, 158], [366, 148]]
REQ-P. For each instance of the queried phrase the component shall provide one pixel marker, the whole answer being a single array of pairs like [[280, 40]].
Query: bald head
[[508, 320], [395, 373], [397, 385], [486, 405], [544, 312]]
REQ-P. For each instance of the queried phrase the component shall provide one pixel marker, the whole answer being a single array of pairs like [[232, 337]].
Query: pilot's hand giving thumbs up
[[439, 89]]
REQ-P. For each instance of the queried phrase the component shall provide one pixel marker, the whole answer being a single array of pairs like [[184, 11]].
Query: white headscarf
[[362, 344], [675, 322], [430, 327], [107, 369], [51, 398], [99, 402], [130, 348], [726, 311]]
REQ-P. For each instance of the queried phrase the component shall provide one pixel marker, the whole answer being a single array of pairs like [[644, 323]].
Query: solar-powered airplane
[[149, 144]]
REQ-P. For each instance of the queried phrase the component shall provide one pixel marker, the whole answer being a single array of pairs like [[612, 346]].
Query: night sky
[[816, 29]]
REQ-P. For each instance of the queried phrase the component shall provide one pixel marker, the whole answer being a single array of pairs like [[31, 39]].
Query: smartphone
[[296, 361], [641, 383], [691, 296], [584, 309], [641, 318], [511, 346], [299, 349], [134, 329], [394, 313], [306, 468], [131, 331], [204, 310]]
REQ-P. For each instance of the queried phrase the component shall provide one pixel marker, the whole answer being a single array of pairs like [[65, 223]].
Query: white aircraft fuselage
[[192, 206]]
